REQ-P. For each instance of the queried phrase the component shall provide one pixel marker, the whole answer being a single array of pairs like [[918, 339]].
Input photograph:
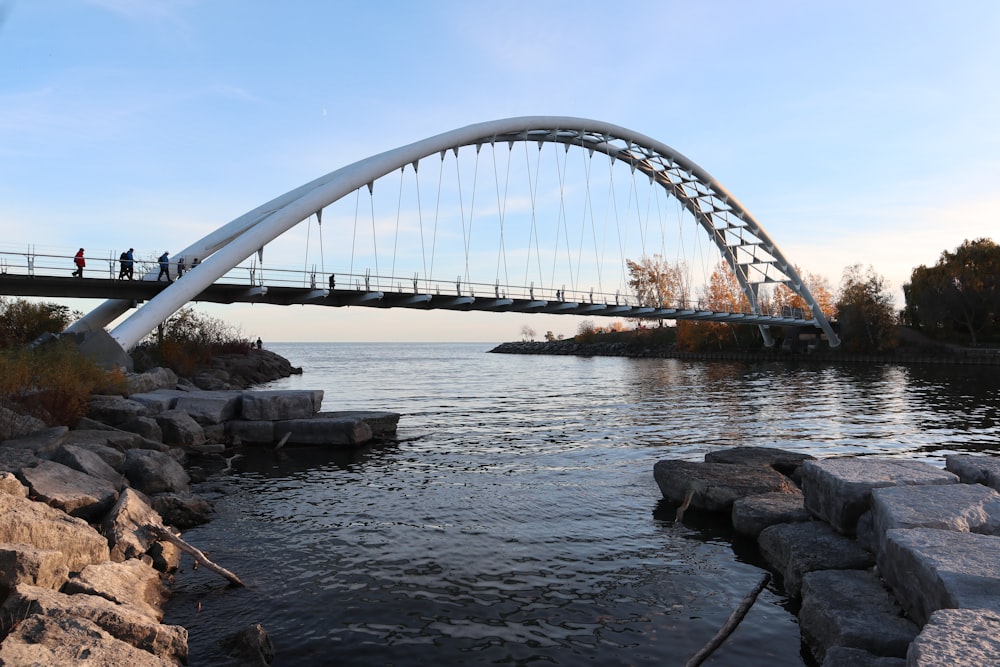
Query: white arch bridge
[[531, 214]]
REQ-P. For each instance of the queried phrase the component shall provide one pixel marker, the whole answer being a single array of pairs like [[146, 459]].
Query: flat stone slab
[[852, 608], [382, 423], [755, 513], [971, 469], [714, 487], [72, 491], [278, 405], [786, 462], [330, 432], [969, 508], [794, 549], [838, 490], [210, 407], [842, 656], [957, 638], [931, 569], [159, 400], [24, 521]]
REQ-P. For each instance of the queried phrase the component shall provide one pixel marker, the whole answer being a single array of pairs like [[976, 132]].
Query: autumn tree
[[866, 312], [23, 321], [657, 283], [959, 297], [723, 293], [784, 297]]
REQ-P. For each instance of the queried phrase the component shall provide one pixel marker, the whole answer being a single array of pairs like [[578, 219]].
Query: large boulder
[[281, 405], [210, 407], [183, 510], [24, 521], [90, 463], [957, 638], [14, 424], [114, 410], [794, 549], [753, 514], [180, 429], [786, 462], [382, 423], [62, 640], [42, 444], [969, 508], [852, 608], [120, 621], [971, 469], [125, 526], [25, 564], [151, 380], [713, 487], [155, 472], [838, 490], [251, 646], [147, 427], [930, 569], [74, 492], [131, 583], [323, 431]]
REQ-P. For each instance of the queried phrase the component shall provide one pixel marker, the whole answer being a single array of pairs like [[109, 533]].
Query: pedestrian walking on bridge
[[80, 263], [164, 261]]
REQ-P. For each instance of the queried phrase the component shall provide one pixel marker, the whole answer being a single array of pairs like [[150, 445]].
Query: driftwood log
[[734, 620], [165, 535]]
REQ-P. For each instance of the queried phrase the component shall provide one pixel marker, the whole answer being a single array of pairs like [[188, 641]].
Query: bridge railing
[[253, 274]]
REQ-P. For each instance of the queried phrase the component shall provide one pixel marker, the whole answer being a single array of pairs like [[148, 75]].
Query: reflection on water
[[516, 521]]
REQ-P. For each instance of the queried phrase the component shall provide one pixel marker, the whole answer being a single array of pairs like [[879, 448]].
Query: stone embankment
[[895, 561], [639, 349], [82, 570]]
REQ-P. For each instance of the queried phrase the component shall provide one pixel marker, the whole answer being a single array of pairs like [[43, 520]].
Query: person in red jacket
[[80, 263]]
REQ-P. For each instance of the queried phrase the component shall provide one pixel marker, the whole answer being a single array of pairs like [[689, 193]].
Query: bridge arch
[[749, 251]]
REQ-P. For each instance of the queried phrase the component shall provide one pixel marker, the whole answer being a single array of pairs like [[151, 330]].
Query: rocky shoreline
[[640, 350], [90, 516], [894, 562]]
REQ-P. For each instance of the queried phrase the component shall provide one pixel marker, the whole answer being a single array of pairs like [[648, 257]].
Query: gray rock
[[842, 656], [180, 429], [89, 463], [125, 526], [786, 462], [24, 564], [114, 438], [971, 469], [969, 508], [715, 486], [155, 472], [131, 583], [755, 513], [279, 405], [121, 622], [62, 640], [321, 431], [838, 490], [72, 491], [957, 638], [253, 432], [210, 407], [852, 608], [112, 456], [114, 410], [147, 427], [24, 521], [381, 423], [182, 510], [160, 400], [930, 569], [42, 444], [251, 646], [793, 549], [151, 380]]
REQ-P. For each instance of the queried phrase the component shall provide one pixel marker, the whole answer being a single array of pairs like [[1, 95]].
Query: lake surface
[[516, 520]]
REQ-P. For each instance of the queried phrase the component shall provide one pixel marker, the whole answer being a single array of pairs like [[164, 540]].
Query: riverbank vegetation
[[187, 341], [50, 382], [955, 302]]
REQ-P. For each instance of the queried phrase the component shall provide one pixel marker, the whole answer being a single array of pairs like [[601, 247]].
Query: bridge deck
[[144, 290]]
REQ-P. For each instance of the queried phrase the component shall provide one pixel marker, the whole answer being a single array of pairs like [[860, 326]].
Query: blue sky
[[855, 132]]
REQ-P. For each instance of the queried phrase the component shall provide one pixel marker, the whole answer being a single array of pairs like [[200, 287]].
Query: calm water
[[516, 519]]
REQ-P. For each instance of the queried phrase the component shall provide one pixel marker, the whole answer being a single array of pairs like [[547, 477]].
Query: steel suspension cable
[[399, 211]]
